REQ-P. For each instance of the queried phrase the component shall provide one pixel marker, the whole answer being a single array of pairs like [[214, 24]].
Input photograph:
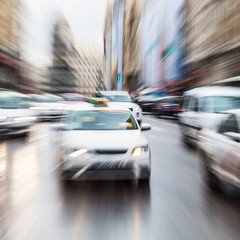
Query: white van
[[203, 106]]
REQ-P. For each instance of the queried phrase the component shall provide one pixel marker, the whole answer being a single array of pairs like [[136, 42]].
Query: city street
[[35, 205]]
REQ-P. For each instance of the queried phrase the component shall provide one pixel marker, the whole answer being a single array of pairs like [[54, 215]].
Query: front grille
[[122, 151], [131, 109]]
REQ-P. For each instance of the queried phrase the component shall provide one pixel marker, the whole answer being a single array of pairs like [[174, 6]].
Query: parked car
[[202, 106], [122, 98], [167, 106], [15, 115], [219, 151]]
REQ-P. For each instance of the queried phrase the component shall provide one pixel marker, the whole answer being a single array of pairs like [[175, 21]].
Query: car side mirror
[[234, 136], [145, 127]]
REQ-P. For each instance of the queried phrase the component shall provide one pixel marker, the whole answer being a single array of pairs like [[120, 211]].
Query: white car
[[15, 115], [203, 106], [48, 107], [123, 99], [219, 151], [103, 143]]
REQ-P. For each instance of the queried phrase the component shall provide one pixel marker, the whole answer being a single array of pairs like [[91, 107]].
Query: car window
[[14, 103], [186, 102], [101, 120], [229, 125], [215, 104], [193, 104]]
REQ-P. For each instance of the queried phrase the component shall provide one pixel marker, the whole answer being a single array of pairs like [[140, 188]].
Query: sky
[[85, 18]]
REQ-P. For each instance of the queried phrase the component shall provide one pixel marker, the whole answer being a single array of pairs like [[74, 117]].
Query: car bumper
[[105, 170]]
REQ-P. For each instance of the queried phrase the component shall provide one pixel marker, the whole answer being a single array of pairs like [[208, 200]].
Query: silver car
[[103, 143]]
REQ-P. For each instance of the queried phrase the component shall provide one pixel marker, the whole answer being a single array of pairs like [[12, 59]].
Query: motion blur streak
[[119, 119]]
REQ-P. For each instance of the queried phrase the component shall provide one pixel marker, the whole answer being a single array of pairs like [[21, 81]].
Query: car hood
[[102, 140]]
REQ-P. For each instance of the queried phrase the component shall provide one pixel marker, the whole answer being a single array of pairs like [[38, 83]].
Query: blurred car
[[104, 142], [73, 98], [48, 106], [167, 106], [202, 106], [15, 115], [123, 99], [219, 151], [146, 102]]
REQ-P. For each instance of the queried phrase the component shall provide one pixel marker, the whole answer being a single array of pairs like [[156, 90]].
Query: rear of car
[[122, 98], [146, 102], [167, 106], [219, 151], [103, 144], [15, 115], [203, 106]]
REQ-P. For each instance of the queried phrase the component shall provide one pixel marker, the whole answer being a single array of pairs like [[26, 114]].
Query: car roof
[[214, 91], [72, 94], [123, 93], [13, 94], [89, 106]]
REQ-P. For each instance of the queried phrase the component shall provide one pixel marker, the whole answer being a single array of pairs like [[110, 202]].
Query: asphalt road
[[178, 205]]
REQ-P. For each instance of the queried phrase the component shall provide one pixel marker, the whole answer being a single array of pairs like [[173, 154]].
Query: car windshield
[[101, 120], [13, 103], [220, 103], [117, 98], [73, 98]]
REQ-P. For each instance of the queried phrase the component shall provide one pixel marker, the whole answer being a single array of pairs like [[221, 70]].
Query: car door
[[227, 151], [191, 117]]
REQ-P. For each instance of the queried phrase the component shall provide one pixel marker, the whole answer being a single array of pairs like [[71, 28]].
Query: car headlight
[[25, 119], [136, 108], [2, 118], [138, 151], [78, 152]]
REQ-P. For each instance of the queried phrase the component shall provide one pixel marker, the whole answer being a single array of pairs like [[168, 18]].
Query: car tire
[[209, 178], [144, 182]]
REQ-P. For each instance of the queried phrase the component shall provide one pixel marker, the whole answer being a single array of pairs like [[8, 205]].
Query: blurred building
[[108, 46], [89, 70], [130, 49], [161, 34], [62, 72], [212, 41], [10, 32]]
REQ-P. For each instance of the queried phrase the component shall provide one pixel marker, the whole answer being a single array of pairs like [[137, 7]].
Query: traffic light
[[118, 78]]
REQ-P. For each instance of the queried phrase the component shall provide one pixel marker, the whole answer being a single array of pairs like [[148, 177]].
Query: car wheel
[[209, 178], [144, 182]]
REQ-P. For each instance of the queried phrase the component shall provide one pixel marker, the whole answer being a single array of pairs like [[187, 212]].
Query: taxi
[[102, 142], [219, 151]]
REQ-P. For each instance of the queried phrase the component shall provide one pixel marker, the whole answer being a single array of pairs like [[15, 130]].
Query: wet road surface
[[34, 204]]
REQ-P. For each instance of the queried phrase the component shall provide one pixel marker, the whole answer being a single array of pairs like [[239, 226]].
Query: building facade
[[212, 41], [127, 49], [62, 76], [10, 32]]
